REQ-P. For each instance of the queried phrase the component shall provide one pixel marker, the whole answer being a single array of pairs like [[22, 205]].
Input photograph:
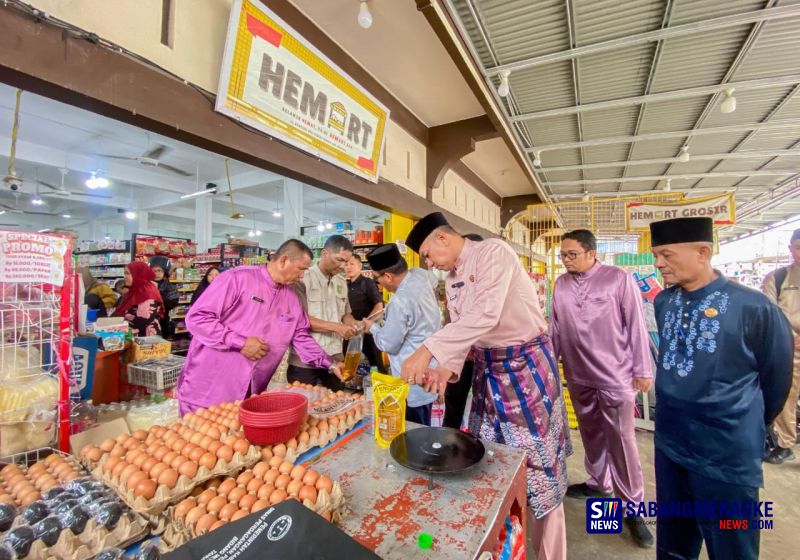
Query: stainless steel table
[[388, 506]]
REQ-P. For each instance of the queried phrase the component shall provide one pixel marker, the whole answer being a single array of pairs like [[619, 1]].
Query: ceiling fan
[[152, 158], [62, 190], [17, 210]]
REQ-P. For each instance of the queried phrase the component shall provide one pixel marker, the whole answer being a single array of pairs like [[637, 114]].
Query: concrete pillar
[[143, 223], [203, 223]]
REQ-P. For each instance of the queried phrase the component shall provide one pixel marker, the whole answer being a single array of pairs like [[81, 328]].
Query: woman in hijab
[[141, 306], [209, 276], [92, 286], [169, 292]]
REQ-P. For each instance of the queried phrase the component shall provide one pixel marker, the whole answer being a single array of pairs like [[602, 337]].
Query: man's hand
[[642, 384], [367, 324], [336, 369], [436, 380], [346, 331], [413, 369], [254, 348]]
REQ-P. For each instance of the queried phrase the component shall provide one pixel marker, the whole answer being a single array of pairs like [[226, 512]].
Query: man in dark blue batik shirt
[[724, 371]]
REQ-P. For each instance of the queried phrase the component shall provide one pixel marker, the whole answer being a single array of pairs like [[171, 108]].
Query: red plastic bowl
[[272, 417]]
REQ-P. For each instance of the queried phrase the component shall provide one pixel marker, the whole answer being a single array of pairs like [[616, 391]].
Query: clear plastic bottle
[[369, 413]]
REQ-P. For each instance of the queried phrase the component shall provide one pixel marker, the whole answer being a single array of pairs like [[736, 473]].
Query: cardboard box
[[144, 348], [96, 435]]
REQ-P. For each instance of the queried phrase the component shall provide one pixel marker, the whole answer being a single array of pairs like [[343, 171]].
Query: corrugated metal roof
[[602, 20], [522, 30]]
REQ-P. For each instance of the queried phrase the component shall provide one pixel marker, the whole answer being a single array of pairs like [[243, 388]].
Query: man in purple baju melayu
[[598, 329]]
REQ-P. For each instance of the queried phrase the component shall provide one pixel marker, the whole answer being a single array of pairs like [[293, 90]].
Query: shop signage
[[32, 257], [275, 81], [639, 215]]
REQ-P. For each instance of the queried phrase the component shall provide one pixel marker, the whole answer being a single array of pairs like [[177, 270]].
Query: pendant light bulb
[[251, 233], [37, 201], [537, 159], [728, 104], [668, 185], [585, 197], [258, 233], [364, 15], [276, 213], [320, 227], [130, 214], [503, 89], [684, 156], [328, 225]]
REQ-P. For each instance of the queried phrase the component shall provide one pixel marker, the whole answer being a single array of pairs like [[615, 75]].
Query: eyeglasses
[[570, 255]]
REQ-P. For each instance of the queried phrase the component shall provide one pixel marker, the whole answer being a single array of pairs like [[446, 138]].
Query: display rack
[[105, 259], [243, 253], [36, 328]]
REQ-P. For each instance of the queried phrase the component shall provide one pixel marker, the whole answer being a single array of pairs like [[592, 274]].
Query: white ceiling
[[54, 135]]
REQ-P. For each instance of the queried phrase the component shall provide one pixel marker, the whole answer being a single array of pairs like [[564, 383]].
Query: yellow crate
[[572, 420]]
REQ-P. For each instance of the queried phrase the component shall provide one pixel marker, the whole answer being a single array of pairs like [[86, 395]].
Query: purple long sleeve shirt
[[240, 303], [598, 328]]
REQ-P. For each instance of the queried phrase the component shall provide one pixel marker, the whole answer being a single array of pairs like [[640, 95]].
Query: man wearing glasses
[[323, 293], [598, 329]]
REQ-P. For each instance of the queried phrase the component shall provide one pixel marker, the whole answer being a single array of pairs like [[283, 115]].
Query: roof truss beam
[[717, 174], [755, 154], [651, 36]]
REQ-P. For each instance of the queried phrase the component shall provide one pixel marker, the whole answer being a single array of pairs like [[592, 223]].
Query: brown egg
[[304, 438], [278, 496], [285, 467], [214, 433], [196, 438], [178, 461], [275, 462], [259, 505], [308, 493], [126, 473], [225, 453], [214, 446], [71, 476], [215, 504], [313, 432], [247, 501], [140, 459], [29, 498], [245, 477], [234, 424], [135, 479], [241, 446], [161, 452], [94, 454], [168, 478], [132, 443], [227, 511], [146, 489], [271, 475], [217, 524], [208, 460], [118, 451], [239, 514], [183, 508], [206, 497], [148, 464], [205, 441], [196, 453], [231, 439], [265, 490], [16, 479], [260, 468], [189, 468], [283, 481], [324, 483], [168, 457], [107, 445], [6, 499], [122, 465], [236, 494], [226, 486], [254, 484], [204, 523], [157, 469], [294, 487], [110, 463], [48, 484], [298, 472], [279, 450], [291, 444], [193, 515], [266, 453], [310, 478], [122, 438], [178, 445]]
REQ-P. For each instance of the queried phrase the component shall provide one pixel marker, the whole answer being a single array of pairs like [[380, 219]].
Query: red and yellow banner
[[275, 81]]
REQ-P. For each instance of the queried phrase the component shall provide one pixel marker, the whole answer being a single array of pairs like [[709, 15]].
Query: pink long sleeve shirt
[[492, 304], [598, 328], [240, 303]]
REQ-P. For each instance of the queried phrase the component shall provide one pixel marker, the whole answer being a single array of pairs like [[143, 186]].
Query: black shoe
[[583, 491], [640, 534], [780, 455]]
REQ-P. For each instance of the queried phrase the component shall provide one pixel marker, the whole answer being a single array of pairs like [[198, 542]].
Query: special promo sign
[[32, 257], [639, 215], [273, 80]]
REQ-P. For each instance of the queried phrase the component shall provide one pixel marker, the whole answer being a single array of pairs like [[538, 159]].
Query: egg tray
[[177, 533], [94, 539], [29, 458], [165, 496], [322, 440]]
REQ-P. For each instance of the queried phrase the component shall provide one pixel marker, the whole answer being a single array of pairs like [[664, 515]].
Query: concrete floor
[[782, 487]]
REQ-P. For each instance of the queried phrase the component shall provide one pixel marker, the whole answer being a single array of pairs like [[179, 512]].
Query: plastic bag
[[389, 397]]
